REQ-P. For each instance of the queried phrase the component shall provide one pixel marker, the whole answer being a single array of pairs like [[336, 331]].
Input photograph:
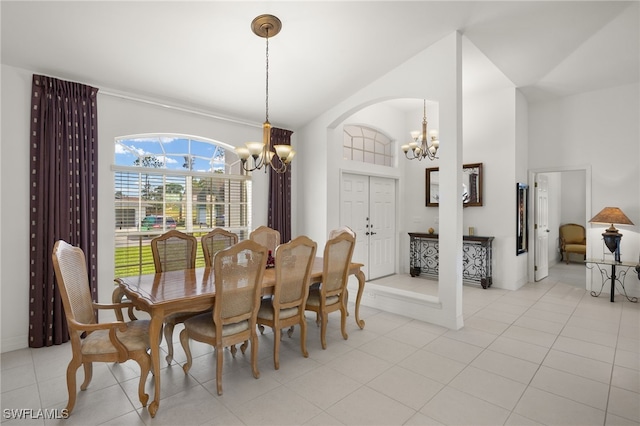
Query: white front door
[[367, 205], [382, 226], [542, 228], [354, 213]]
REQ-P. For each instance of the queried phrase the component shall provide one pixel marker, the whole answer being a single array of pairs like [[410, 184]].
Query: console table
[[606, 276], [476, 257]]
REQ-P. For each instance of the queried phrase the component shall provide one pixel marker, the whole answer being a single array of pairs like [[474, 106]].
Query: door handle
[[373, 233]]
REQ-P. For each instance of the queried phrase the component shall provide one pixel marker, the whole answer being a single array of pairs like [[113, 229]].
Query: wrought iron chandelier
[[422, 147], [260, 153]]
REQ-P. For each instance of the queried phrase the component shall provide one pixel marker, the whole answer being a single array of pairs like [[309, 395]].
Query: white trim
[[587, 186], [176, 108]]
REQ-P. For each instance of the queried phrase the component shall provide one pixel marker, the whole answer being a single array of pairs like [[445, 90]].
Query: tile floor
[[547, 354]]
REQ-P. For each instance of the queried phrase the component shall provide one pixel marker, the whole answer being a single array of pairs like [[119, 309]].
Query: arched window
[[364, 144], [166, 181]]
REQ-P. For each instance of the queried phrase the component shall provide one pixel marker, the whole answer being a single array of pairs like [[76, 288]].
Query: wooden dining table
[[193, 290]]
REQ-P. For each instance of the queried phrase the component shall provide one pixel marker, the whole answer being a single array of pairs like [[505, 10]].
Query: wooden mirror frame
[[432, 183]]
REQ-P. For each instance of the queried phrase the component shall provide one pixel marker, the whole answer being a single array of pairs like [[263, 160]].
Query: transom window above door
[[367, 145]]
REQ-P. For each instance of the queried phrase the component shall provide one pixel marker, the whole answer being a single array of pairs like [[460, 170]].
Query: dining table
[[193, 290]]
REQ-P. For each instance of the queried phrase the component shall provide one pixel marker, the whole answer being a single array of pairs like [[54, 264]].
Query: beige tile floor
[[548, 354]]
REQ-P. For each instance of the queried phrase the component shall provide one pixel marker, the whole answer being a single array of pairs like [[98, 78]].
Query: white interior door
[[367, 205], [542, 228]]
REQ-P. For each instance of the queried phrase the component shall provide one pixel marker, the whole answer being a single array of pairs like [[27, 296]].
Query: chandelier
[[422, 146], [260, 153]]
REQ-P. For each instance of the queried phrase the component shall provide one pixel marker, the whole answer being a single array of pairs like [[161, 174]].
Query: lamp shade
[[611, 215]]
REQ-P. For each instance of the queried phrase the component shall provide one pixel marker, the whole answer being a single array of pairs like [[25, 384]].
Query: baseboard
[[14, 343]]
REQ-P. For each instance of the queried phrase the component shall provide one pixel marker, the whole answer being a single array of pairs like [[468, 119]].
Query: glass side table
[[610, 275]]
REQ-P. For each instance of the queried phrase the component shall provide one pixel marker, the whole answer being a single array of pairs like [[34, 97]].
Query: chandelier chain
[[267, 79]]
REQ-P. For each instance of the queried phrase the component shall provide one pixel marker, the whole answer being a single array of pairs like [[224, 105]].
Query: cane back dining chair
[[332, 234], [173, 251], [268, 237], [103, 342], [330, 297], [238, 273], [216, 240], [335, 232], [293, 263]]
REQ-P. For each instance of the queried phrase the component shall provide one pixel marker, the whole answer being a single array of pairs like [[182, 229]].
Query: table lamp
[[611, 236]]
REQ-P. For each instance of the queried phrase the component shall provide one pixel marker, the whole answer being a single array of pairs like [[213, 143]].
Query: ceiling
[[203, 55]]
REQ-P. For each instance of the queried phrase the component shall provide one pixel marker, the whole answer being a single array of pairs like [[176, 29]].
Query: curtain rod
[[177, 108]]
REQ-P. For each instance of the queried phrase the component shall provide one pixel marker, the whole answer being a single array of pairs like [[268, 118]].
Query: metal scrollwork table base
[[612, 276]]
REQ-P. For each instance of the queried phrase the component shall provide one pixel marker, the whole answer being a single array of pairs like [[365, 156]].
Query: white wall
[[15, 167], [490, 138], [573, 201], [599, 129], [116, 117]]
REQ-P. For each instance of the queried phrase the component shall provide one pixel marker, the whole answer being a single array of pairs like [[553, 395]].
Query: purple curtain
[[280, 190], [63, 199]]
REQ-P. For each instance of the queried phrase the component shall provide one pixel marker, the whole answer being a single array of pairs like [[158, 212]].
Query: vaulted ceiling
[[204, 55]]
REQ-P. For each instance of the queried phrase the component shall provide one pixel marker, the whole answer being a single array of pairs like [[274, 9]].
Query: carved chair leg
[[219, 357], [323, 330], [277, 335], [71, 383], [254, 355], [343, 323], [184, 340], [168, 337], [144, 361], [303, 338], [88, 375]]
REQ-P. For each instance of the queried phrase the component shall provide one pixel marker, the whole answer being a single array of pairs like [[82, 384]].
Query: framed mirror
[[522, 220], [471, 185]]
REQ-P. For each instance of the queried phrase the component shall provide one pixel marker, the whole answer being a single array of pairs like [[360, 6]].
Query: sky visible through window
[[177, 153]]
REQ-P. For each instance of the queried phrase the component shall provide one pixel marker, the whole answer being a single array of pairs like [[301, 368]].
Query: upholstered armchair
[[573, 239]]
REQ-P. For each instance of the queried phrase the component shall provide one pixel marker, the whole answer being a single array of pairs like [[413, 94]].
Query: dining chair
[[334, 233], [238, 273], [216, 240], [293, 263], [92, 341], [174, 251], [268, 237], [335, 272]]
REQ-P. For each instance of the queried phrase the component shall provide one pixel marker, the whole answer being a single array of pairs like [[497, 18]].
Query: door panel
[[382, 227], [354, 206], [542, 228]]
